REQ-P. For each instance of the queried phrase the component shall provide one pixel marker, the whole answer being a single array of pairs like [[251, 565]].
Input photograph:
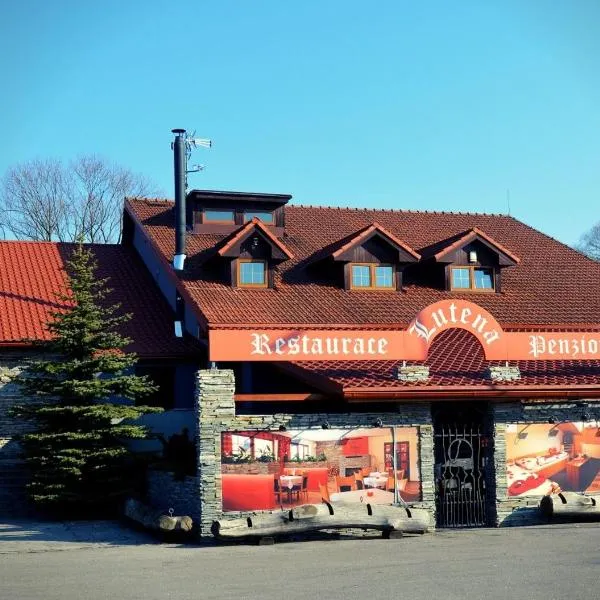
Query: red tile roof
[[552, 285], [32, 274]]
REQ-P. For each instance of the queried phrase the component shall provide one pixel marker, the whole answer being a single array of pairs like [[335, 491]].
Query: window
[[371, 276], [264, 216], [252, 273], [299, 451], [471, 278], [218, 216]]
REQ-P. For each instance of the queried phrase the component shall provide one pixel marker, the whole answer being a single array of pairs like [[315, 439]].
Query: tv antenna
[[191, 142]]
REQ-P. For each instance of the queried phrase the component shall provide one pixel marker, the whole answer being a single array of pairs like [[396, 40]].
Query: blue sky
[[430, 105]]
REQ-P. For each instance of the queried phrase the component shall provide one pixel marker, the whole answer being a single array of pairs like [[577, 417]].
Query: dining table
[[371, 496], [287, 482], [376, 480]]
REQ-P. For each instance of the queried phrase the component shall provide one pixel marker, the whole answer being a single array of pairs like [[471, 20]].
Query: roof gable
[[344, 250], [232, 246], [443, 251]]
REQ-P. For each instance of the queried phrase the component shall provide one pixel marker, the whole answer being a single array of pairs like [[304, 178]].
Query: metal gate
[[460, 476]]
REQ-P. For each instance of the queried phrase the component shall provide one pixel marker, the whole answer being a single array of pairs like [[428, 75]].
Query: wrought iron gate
[[460, 476]]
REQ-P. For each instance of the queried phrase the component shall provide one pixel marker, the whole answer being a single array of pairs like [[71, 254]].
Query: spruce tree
[[76, 452]]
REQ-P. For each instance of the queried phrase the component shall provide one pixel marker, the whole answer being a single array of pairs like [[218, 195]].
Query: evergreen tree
[[76, 453]]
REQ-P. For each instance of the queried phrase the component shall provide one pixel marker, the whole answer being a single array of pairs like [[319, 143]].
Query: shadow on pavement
[[71, 532]]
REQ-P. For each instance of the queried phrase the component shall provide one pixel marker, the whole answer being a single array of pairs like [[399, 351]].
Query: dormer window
[[469, 261], [253, 252], [372, 276], [472, 278], [371, 258], [252, 273], [263, 216], [218, 216]]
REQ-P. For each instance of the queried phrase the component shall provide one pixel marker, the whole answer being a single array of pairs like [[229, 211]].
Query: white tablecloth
[[289, 481], [376, 496], [379, 481]]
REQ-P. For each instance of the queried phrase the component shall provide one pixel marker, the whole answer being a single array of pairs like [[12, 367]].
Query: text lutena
[[306, 345]]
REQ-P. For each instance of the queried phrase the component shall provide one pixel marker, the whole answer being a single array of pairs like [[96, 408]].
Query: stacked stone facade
[[216, 414], [13, 476]]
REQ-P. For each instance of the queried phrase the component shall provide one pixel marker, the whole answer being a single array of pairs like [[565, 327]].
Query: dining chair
[[278, 491], [324, 492], [345, 484], [358, 477], [304, 489]]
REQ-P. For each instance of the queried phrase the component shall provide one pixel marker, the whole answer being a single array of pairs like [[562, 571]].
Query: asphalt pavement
[[107, 560]]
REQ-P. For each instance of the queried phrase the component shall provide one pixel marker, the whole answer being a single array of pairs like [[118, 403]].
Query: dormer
[[224, 212], [252, 252], [471, 261], [369, 259]]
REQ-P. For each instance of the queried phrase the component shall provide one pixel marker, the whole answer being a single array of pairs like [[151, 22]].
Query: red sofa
[[316, 476], [248, 492]]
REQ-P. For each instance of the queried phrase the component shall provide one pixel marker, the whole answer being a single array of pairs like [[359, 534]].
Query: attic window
[[218, 216], [372, 276], [252, 273], [264, 216], [472, 278]]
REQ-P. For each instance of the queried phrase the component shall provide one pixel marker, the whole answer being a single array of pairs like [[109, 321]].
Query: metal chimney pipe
[[180, 168]]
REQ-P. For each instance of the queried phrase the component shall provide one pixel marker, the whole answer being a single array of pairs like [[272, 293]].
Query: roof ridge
[[149, 200], [401, 210]]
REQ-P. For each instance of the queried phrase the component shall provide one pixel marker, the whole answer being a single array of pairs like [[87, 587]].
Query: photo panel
[[546, 458], [269, 470]]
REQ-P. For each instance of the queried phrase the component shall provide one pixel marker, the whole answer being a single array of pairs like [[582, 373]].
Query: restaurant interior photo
[[264, 470], [542, 458]]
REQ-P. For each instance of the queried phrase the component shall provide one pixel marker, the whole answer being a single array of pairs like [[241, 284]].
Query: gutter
[[450, 393]]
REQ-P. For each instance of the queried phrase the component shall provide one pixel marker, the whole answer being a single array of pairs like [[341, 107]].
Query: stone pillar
[[426, 456], [499, 485], [215, 409]]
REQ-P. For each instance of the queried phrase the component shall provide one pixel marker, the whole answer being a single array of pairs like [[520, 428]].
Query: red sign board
[[411, 344]]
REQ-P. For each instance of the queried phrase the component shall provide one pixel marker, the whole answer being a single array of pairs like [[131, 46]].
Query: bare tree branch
[[46, 200], [589, 242]]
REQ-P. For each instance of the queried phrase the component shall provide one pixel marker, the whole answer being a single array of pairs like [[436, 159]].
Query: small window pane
[[361, 276], [218, 215], [483, 279], [265, 217], [252, 273], [384, 277], [460, 279]]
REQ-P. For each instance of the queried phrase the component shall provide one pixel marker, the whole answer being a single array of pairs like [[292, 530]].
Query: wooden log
[[570, 504], [312, 517], [155, 519]]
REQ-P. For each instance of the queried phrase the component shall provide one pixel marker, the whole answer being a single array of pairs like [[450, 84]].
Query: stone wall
[[216, 413], [166, 492], [523, 510], [13, 475]]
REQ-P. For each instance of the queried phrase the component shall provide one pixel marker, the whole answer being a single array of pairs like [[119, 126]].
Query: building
[[446, 360], [468, 341]]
